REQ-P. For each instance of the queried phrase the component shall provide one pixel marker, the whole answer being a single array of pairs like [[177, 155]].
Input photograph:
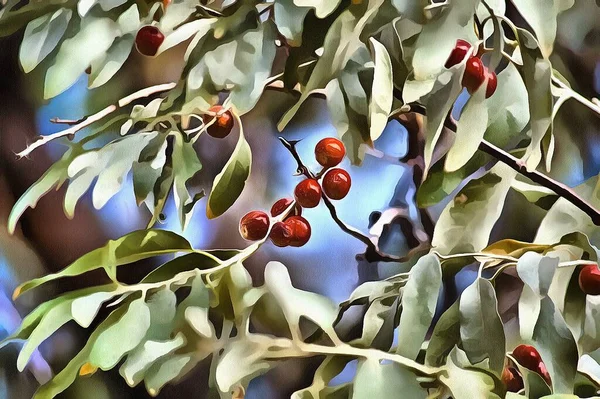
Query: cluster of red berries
[[295, 230], [475, 72], [223, 121], [530, 358]]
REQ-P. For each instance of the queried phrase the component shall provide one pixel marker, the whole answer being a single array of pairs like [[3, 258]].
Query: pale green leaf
[[41, 37], [170, 369], [376, 380], [94, 38], [106, 66], [382, 92], [185, 166], [479, 318], [322, 7], [466, 223], [123, 336], [470, 130], [289, 19], [419, 300]]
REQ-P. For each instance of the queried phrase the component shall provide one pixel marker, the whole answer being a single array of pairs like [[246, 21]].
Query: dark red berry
[[300, 230], [330, 152], [589, 280], [88, 70], [308, 193], [281, 234], [254, 225], [336, 183], [148, 40], [530, 358], [512, 379], [459, 52], [474, 74], [223, 123], [492, 83], [284, 203]]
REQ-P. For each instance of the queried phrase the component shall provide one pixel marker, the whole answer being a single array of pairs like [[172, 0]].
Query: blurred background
[[381, 201]]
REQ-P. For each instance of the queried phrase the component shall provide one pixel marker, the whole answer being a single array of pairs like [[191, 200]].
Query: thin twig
[[372, 254], [88, 120]]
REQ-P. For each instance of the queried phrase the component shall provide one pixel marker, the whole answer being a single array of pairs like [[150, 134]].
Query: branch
[[372, 254], [498, 153], [88, 120]]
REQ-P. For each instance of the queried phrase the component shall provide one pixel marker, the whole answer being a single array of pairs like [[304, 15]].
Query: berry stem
[[372, 254]]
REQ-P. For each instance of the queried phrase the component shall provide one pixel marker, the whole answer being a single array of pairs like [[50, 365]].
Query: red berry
[[589, 280], [512, 379], [530, 358], [308, 193], [223, 123], [283, 204], [330, 152], [300, 230], [281, 234], [492, 83], [474, 74], [254, 225], [336, 183], [148, 40], [459, 52]]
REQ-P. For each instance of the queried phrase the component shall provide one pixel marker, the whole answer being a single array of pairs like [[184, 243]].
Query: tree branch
[[88, 120], [498, 153], [372, 254]]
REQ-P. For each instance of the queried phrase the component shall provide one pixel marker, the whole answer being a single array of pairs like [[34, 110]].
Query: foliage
[[373, 60]]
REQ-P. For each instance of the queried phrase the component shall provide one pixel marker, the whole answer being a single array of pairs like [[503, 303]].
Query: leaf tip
[[87, 369]]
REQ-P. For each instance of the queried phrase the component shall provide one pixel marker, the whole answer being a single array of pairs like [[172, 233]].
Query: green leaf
[[564, 217], [479, 318], [169, 370], [470, 130], [86, 308], [376, 380], [504, 126], [445, 336], [84, 6], [542, 16], [109, 164], [419, 300], [537, 75], [123, 336], [289, 19], [12, 19], [198, 28], [328, 369], [144, 356], [557, 346], [438, 37], [465, 381], [322, 7], [537, 271], [196, 260], [316, 308], [185, 166], [382, 92], [94, 38], [230, 182], [466, 223], [41, 37], [54, 177], [130, 248], [105, 67]]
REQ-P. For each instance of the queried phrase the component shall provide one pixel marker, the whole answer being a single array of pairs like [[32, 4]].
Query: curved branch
[[88, 120]]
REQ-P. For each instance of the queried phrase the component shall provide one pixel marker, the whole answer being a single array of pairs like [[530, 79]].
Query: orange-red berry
[[474, 74], [254, 225], [223, 123], [459, 52], [281, 234], [589, 280], [330, 152], [300, 229], [284, 203], [148, 40], [308, 193], [492, 83], [336, 183]]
